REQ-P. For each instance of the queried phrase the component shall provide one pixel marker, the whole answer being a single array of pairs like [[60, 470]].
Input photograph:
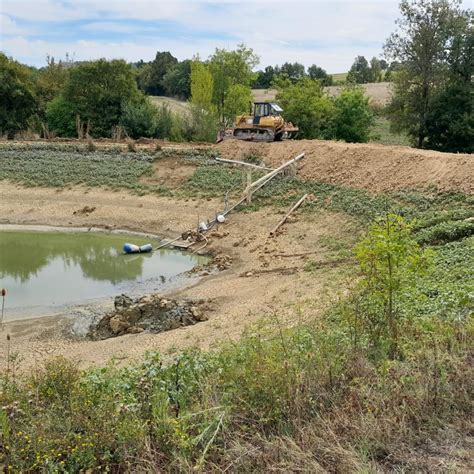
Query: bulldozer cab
[[265, 109]]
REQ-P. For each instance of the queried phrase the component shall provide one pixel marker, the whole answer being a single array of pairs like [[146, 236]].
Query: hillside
[[378, 92]]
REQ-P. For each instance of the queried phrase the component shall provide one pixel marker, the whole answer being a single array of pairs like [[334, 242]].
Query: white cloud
[[9, 27], [57, 11], [328, 33]]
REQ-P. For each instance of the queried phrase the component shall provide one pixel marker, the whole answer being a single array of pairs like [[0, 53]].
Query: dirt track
[[373, 167]]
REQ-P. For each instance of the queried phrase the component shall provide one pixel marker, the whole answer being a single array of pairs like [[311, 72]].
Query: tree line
[[429, 59]]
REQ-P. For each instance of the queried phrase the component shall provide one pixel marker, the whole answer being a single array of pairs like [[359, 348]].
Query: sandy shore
[[266, 278]]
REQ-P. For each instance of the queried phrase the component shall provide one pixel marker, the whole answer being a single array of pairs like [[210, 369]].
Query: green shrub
[[139, 118], [354, 117], [390, 261], [308, 106], [61, 117]]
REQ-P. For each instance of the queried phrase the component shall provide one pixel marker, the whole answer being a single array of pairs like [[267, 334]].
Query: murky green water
[[44, 271]]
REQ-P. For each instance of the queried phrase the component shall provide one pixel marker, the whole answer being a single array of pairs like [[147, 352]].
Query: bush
[[139, 118], [390, 261], [354, 117], [308, 106], [61, 117], [202, 125]]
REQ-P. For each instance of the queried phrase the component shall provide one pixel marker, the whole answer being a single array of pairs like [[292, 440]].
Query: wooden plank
[[282, 221], [272, 174], [243, 163], [178, 243]]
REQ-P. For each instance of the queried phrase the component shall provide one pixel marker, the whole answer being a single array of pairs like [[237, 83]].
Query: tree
[[202, 85], [383, 64], [97, 92], [51, 80], [229, 68], [293, 71], [177, 81], [359, 72], [391, 69], [421, 45], [308, 106], [450, 120], [390, 261], [150, 76], [318, 73], [203, 112], [238, 101], [264, 78], [375, 70], [18, 96], [354, 117]]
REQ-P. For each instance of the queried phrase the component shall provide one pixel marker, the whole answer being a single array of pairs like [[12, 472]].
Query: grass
[[382, 134], [339, 77], [176, 106], [440, 216], [60, 166]]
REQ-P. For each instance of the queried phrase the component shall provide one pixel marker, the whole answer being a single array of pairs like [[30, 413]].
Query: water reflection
[[22, 255], [51, 269]]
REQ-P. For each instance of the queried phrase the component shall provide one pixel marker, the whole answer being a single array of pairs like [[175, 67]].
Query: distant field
[[176, 106], [378, 92], [339, 77], [383, 135]]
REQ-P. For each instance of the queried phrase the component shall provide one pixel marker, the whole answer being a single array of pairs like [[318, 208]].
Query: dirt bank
[[373, 167], [267, 276]]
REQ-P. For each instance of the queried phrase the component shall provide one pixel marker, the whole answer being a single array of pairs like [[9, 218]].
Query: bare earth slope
[[373, 167]]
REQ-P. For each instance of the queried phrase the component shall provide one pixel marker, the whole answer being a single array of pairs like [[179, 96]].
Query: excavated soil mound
[[373, 167]]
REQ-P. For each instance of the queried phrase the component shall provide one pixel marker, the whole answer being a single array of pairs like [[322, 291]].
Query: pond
[[44, 272]]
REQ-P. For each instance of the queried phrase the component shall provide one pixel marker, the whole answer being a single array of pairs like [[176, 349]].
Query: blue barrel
[[132, 248]]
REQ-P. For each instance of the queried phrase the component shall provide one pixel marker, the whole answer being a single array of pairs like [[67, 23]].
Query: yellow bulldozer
[[265, 125]]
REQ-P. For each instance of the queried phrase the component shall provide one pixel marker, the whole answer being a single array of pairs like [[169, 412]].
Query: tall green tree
[[375, 70], [18, 99], [203, 111], [231, 68], [150, 75], [318, 73], [421, 44], [293, 71], [264, 78], [450, 120], [177, 81], [359, 72], [238, 101], [97, 92]]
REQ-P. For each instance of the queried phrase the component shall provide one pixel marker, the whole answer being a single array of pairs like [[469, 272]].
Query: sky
[[327, 33]]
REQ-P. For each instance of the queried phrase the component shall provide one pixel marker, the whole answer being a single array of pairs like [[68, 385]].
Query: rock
[[134, 330], [175, 324], [164, 303], [122, 301], [131, 315], [117, 325]]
